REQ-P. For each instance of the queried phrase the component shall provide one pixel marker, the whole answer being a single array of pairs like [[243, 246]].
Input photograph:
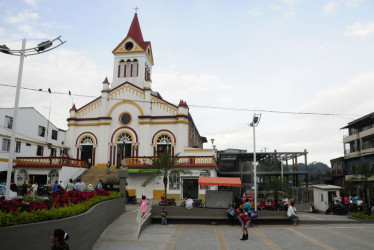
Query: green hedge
[[362, 216], [10, 219]]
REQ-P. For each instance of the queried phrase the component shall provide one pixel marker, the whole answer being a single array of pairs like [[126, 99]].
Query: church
[[131, 121]]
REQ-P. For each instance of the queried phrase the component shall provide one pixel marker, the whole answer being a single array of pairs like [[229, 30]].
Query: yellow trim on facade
[[198, 149], [124, 131], [168, 134], [40, 143], [164, 122], [88, 124], [125, 102], [120, 48], [86, 135], [89, 108], [163, 105]]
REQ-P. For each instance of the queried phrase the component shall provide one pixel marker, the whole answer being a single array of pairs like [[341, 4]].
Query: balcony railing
[[183, 162], [50, 162]]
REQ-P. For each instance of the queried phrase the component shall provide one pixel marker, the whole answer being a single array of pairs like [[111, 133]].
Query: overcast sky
[[280, 55]]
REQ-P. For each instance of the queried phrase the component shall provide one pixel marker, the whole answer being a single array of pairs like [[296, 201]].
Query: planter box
[[84, 229]]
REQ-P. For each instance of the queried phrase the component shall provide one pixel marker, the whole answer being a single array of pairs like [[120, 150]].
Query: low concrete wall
[[84, 229], [218, 199]]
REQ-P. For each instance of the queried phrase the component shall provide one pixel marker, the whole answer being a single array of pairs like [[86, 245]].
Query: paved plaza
[[121, 234]]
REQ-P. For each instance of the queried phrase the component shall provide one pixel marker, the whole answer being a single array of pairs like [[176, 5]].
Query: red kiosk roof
[[220, 181]]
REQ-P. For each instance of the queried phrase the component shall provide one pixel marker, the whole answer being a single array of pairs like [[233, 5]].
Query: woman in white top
[[291, 213]]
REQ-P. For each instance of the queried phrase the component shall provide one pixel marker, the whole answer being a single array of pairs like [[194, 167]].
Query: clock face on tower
[[129, 46]]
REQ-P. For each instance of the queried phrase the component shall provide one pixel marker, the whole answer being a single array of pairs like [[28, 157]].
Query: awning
[[220, 181]]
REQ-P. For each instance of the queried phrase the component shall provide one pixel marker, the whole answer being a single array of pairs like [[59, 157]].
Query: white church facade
[[130, 121]]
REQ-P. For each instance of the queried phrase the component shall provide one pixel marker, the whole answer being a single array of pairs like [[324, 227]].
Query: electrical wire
[[195, 105]]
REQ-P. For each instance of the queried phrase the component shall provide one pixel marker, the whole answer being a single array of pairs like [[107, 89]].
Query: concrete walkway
[[121, 231], [121, 234]]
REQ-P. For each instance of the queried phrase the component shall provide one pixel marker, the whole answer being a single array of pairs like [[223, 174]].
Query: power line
[[194, 105]]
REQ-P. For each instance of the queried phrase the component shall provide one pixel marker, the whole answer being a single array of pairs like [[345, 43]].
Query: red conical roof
[[106, 80], [73, 108], [135, 30], [136, 33]]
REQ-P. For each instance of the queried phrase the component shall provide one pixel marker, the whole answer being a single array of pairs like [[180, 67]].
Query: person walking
[[354, 202], [291, 213], [78, 186], [143, 205], [58, 239], [164, 213], [55, 186], [244, 222], [100, 185], [108, 168], [89, 162], [70, 185]]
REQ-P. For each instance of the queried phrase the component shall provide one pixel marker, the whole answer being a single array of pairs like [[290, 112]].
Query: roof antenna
[[136, 9]]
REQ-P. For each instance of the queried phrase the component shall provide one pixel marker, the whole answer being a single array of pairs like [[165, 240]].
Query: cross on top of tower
[[136, 9]]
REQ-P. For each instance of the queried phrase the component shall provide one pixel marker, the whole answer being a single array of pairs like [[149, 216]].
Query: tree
[[363, 174], [164, 164]]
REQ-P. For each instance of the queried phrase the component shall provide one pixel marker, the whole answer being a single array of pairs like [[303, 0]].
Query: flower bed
[[60, 204]]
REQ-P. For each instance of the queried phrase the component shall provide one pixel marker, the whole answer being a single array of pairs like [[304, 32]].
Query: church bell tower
[[133, 59]]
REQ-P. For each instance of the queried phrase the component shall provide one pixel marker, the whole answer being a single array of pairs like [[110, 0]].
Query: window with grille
[[41, 131], [5, 146], [40, 150], [18, 147], [174, 180], [204, 173], [87, 140], [54, 134], [8, 122]]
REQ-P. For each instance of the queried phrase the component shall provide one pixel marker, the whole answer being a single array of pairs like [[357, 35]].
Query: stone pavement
[[121, 234]]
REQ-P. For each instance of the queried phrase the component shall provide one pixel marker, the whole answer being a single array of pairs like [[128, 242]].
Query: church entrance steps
[[93, 176]]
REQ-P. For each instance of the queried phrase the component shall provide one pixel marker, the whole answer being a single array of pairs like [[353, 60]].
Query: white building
[[323, 195], [37, 139], [130, 120]]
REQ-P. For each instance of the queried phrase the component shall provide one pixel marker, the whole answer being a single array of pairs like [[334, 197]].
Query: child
[[231, 215], [248, 216], [163, 216], [243, 220]]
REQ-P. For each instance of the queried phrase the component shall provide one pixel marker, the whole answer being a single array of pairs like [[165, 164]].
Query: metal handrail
[[140, 218]]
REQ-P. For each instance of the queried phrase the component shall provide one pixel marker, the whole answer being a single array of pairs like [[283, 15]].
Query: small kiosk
[[215, 198], [324, 195]]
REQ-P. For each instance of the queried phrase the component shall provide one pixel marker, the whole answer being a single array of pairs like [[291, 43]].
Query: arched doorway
[[86, 147], [124, 147], [163, 144], [53, 176]]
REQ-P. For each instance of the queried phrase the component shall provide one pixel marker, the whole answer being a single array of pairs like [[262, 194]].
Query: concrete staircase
[[93, 176]]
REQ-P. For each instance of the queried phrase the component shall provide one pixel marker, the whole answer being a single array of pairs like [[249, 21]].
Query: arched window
[[124, 138], [163, 144], [53, 176], [86, 141], [174, 180], [128, 68], [122, 68], [22, 176], [135, 68], [204, 172]]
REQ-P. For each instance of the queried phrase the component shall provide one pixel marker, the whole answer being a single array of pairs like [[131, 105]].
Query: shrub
[[19, 215], [362, 216]]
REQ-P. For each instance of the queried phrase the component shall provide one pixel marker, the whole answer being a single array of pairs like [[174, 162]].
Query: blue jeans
[[163, 221]]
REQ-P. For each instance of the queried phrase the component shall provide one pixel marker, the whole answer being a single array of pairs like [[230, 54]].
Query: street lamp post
[[41, 48], [254, 123]]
